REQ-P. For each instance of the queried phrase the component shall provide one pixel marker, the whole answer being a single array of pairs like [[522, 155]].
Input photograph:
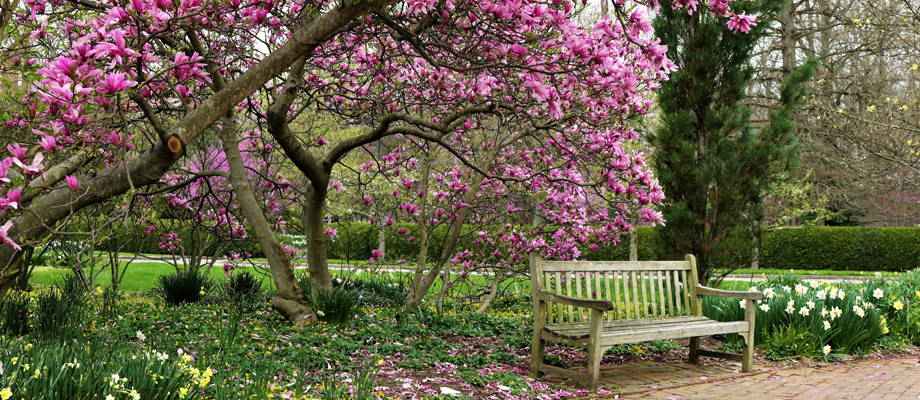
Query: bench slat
[[685, 292], [662, 310], [614, 280], [552, 266], [651, 330], [624, 323], [672, 332], [569, 310], [637, 294]]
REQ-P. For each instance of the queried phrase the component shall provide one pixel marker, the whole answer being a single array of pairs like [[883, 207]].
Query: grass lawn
[[144, 276], [139, 277]]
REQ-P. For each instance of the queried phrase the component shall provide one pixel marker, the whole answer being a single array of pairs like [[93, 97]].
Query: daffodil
[[205, 378], [6, 393], [827, 349], [898, 305]]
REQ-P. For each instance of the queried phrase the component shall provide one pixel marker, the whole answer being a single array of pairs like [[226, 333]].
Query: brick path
[[895, 379], [888, 379]]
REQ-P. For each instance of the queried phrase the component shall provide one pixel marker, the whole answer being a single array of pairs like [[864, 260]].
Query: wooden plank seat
[[597, 305], [613, 333]]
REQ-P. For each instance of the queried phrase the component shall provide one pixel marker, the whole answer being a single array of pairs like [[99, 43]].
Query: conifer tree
[[712, 163]]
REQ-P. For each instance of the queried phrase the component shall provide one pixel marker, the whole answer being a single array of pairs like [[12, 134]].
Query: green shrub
[[243, 287], [791, 341], [336, 305], [385, 290], [57, 315], [14, 313], [852, 248], [185, 286]]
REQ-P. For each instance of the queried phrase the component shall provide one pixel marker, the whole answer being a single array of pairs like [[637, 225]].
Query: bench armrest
[[708, 291], [600, 305]]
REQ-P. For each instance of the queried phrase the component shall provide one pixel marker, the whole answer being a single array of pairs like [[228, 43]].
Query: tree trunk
[[421, 222], [381, 221], [634, 241], [449, 246], [755, 243], [314, 205], [492, 294], [788, 22], [289, 298]]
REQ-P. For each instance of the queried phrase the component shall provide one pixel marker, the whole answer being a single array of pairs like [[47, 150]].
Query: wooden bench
[[600, 304]]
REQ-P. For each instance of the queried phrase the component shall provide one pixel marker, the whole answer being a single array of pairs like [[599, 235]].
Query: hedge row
[[851, 248]]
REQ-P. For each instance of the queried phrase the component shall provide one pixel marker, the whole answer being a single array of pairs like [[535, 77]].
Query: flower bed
[[824, 319]]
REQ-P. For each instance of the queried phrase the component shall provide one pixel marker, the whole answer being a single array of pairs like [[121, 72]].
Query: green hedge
[[849, 248]]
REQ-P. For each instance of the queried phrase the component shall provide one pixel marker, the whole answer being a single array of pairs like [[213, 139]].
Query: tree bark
[[314, 205], [289, 298], [421, 221], [450, 245], [634, 241]]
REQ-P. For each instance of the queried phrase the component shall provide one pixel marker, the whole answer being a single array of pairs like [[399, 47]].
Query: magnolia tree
[[521, 98]]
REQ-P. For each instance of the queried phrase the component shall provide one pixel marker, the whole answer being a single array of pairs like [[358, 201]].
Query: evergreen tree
[[713, 165]]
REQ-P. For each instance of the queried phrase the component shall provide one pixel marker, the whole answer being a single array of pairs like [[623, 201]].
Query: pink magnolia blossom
[[719, 7], [48, 143], [228, 268], [31, 169], [5, 238], [376, 255], [72, 182], [18, 151], [5, 165], [11, 199], [114, 83], [742, 23]]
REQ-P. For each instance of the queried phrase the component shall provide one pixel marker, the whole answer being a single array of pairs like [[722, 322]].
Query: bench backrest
[[637, 289]]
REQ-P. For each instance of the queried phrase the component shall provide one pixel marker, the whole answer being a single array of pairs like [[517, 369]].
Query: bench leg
[[595, 350], [536, 355], [747, 359], [694, 350], [595, 354], [536, 347]]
